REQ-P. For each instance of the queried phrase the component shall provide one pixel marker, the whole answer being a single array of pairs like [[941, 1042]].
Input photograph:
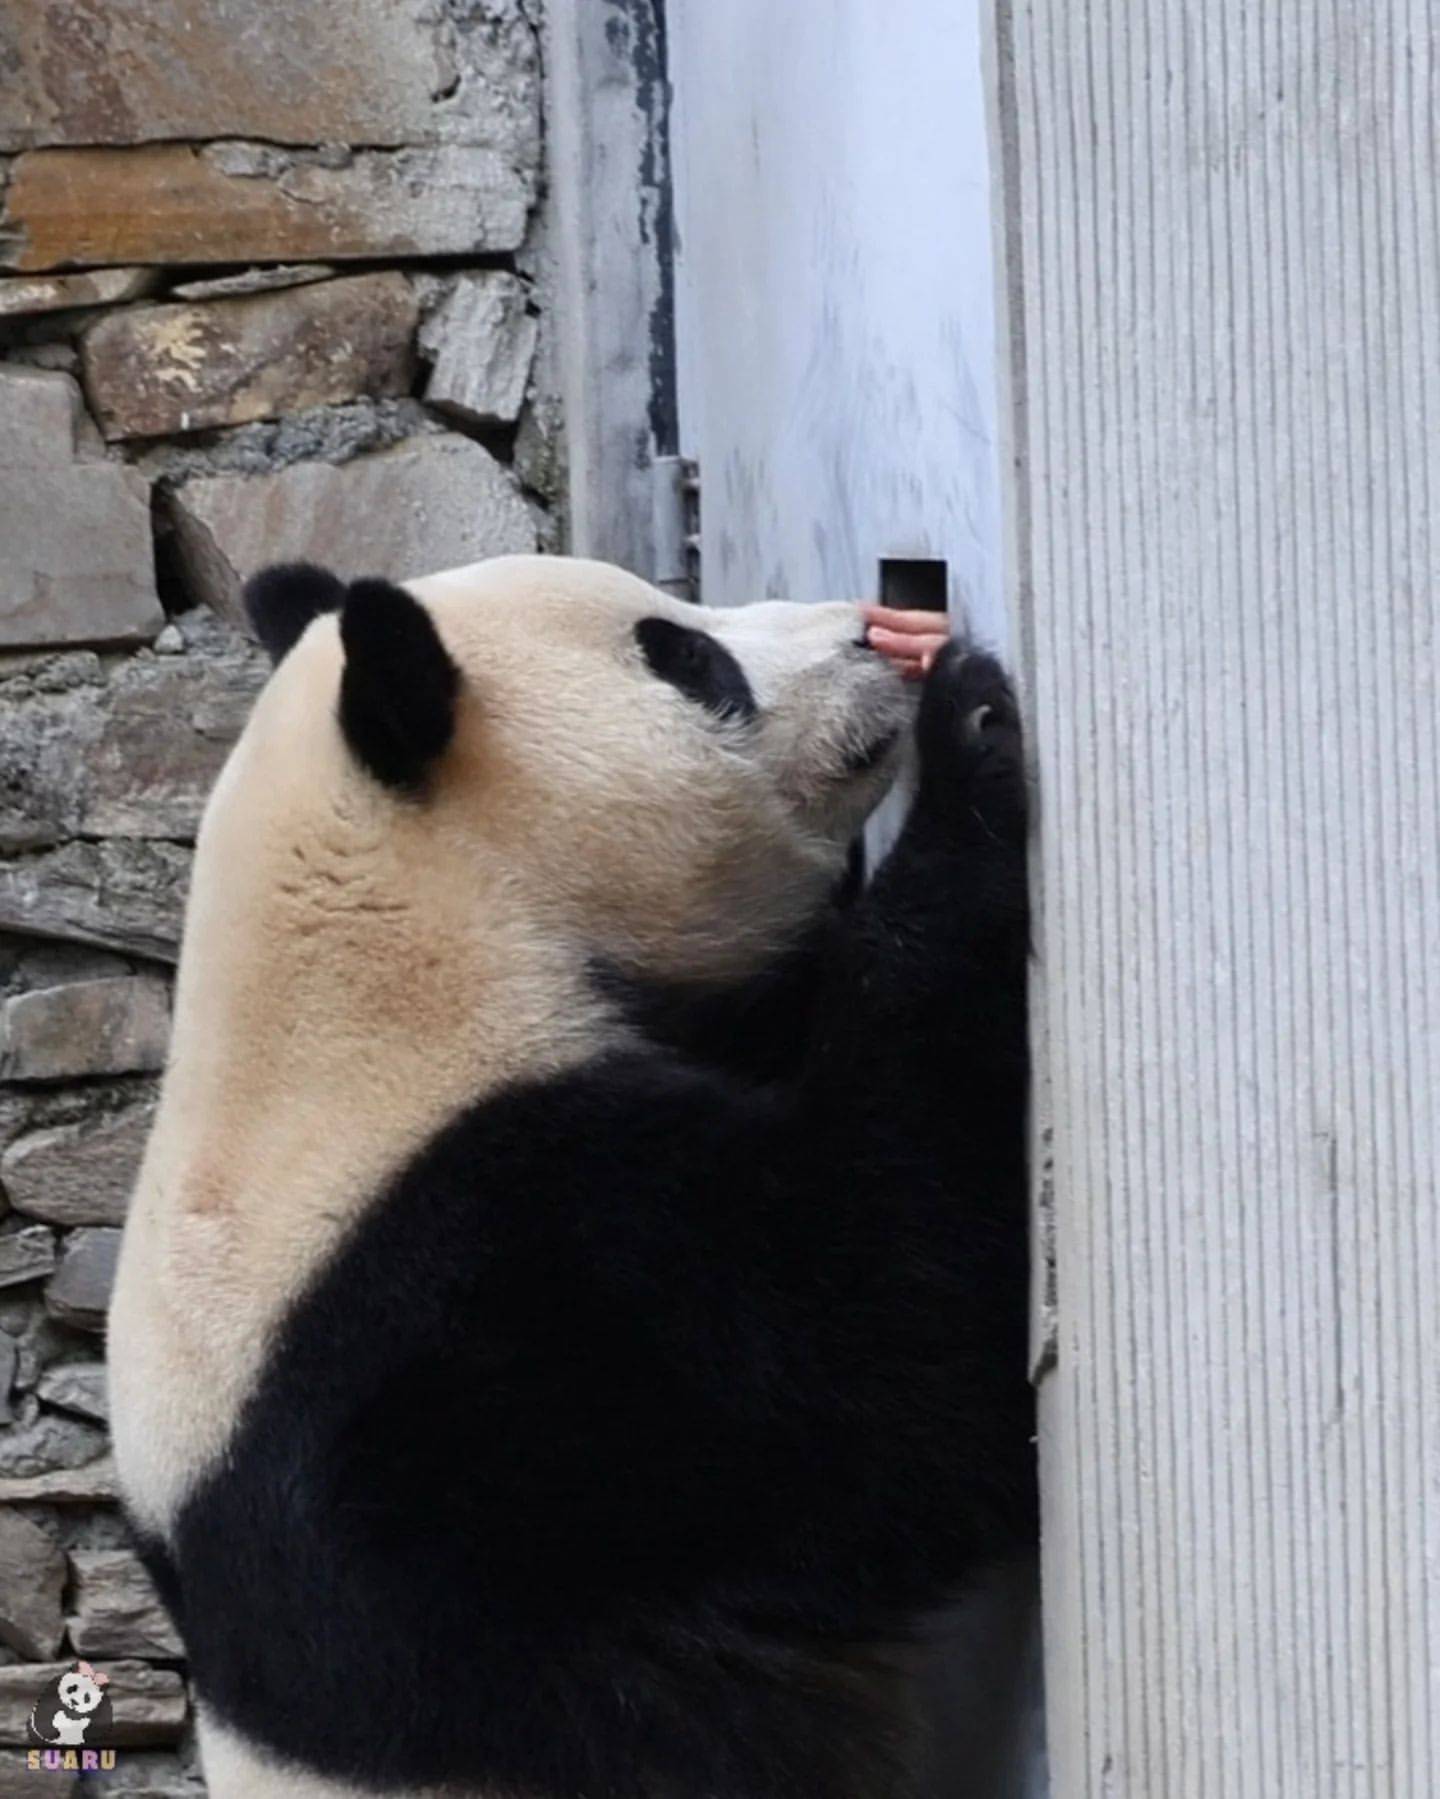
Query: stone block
[[115, 1609], [19, 1312], [436, 502], [260, 280], [32, 1582], [85, 1028], [143, 1774], [79, 566], [162, 369], [235, 202], [91, 1483], [36, 962], [540, 449], [148, 1703], [43, 1444], [168, 726], [78, 1173], [306, 72], [41, 409], [9, 1368], [21, 295], [19, 1781], [78, 1293], [26, 1255], [62, 358], [119, 894], [482, 338], [52, 714], [82, 1526], [323, 434], [39, 1342], [122, 748], [79, 1387]]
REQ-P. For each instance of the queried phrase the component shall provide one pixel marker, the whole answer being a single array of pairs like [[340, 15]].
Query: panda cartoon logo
[[73, 1709]]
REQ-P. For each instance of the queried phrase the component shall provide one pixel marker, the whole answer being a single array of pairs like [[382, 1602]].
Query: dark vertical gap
[[914, 583], [852, 882], [650, 54]]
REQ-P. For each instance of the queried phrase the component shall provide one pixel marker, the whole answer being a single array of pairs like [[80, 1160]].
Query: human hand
[[910, 640]]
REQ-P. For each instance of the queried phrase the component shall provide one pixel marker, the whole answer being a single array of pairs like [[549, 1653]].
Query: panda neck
[[334, 1065]]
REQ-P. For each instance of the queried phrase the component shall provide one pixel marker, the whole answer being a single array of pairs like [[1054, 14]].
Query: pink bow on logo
[[92, 1674]]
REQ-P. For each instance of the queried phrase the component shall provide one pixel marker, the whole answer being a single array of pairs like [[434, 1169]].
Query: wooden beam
[[1222, 224]]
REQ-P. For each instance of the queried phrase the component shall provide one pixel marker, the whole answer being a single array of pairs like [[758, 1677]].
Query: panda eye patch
[[697, 666]]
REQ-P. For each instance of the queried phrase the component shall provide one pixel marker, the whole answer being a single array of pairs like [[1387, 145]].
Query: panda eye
[[696, 665]]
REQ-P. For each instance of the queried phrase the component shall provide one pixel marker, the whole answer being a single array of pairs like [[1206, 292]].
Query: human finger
[[900, 646], [907, 623]]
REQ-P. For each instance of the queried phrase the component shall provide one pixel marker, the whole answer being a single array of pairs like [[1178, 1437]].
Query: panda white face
[[681, 785], [79, 1694]]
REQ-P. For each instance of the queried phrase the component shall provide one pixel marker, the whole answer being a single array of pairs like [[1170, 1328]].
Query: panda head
[[81, 1690], [669, 789]]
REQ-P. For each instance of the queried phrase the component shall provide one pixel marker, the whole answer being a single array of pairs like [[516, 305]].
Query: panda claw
[[971, 764]]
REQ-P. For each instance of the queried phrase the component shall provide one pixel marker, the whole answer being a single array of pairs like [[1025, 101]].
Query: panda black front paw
[[972, 765]]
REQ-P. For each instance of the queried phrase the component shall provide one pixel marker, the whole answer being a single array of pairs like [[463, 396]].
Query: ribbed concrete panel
[[1224, 272]]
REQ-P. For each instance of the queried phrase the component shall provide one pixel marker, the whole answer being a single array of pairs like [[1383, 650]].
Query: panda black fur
[[606, 1443]]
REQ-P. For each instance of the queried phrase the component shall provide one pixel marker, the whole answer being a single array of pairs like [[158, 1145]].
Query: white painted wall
[[835, 295], [837, 382]]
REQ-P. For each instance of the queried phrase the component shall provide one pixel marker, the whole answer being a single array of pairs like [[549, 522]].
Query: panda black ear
[[398, 689], [282, 600]]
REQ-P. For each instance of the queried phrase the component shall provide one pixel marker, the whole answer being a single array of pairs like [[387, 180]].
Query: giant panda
[[569, 1333]]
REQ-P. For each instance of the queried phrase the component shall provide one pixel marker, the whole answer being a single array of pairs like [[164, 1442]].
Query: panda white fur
[[570, 1321]]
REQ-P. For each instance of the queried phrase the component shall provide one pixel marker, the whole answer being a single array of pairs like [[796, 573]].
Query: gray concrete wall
[[1224, 271]]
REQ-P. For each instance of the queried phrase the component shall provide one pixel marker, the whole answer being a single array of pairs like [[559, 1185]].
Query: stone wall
[[271, 285]]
